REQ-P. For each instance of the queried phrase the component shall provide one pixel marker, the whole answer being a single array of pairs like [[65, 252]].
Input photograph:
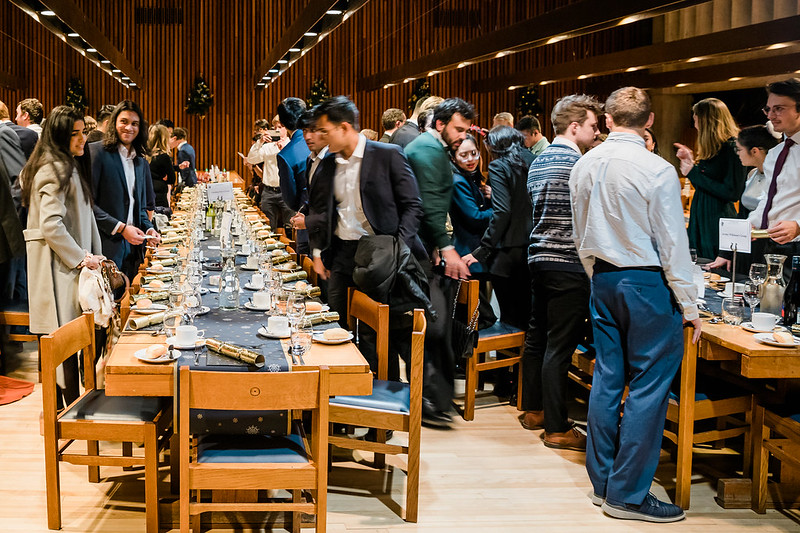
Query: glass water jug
[[774, 286]]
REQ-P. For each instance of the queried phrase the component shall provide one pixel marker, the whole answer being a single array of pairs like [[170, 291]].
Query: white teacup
[[261, 299], [278, 325], [764, 321], [213, 280], [731, 288], [257, 280], [246, 248], [186, 335], [252, 261]]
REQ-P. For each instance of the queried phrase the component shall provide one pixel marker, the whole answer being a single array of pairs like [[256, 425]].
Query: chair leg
[[469, 387], [519, 382], [127, 451], [151, 478], [758, 497], [321, 499], [93, 448], [296, 515], [380, 458], [174, 463], [412, 478], [53, 482]]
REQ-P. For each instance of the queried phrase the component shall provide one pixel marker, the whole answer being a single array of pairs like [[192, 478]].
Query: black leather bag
[[464, 335]]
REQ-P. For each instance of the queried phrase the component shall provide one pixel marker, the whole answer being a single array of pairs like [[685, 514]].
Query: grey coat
[[61, 229]]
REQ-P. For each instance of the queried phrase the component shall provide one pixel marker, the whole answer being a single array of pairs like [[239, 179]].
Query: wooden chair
[[500, 338], [392, 405], [260, 462], [693, 407], [308, 266], [775, 435], [94, 417], [14, 313]]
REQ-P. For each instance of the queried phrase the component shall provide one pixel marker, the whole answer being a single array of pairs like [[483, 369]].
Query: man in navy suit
[[119, 177], [292, 163], [185, 156], [27, 137], [365, 188]]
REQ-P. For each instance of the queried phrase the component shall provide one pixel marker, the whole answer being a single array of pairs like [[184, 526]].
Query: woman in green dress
[[717, 174]]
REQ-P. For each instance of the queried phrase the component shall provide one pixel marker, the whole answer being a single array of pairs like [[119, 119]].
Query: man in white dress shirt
[[630, 236]]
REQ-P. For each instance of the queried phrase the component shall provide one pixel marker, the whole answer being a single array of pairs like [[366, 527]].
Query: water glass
[[693, 255], [173, 318], [732, 311], [295, 308], [758, 273], [194, 303], [301, 339]]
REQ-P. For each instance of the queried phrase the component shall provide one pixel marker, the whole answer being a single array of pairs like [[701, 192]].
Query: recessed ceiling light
[[408, 80], [261, 84], [583, 76], [333, 12], [433, 73], [681, 84], [545, 82], [133, 84], [116, 70], [282, 61], [48, 13], [628, 20], [273, 70], [735, 78], [502, 54], [463, 64], [125, 78], [631, 69], [91, 50], [310, 34], [105, 61], [557, 38], [294, 49], [694, 59], [73, 34], [777, 46], [389, 85], [512, 87]]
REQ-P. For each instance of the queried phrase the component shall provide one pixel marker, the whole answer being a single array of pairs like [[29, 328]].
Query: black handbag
[[464, 335]]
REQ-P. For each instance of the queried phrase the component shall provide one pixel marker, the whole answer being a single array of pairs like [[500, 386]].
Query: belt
[[601, 266], [273, 189]]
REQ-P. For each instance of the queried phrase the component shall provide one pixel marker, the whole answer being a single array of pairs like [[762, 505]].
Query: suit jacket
[[389, 197], [14, 159], [189, 175], [27, 138], [111, 200], [12, 243], [291, 170], [405, 134]]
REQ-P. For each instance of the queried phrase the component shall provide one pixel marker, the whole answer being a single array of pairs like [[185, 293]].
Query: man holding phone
[[265, 150]]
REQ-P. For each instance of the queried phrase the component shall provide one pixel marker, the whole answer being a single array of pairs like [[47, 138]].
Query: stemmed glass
[[296, 311], [194, 304], [758, 273], [752, 296]]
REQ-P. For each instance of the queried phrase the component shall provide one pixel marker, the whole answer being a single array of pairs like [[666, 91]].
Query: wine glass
[[751, 296], [295, 309], [173, 318], [758, 273], [194, 304], [732, 311], [693, 255]]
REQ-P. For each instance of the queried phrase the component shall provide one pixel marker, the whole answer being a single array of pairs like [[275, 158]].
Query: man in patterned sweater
[[559, 287]]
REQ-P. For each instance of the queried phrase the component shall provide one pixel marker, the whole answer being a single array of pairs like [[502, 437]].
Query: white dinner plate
[[215, 290], [319, 337], [245, 267], [251, 307], [148, 287], [252, 287], [203, 310], [722, 294], [325, 308], [722, 279], [268, 334], [153, 309], [767, 338], [168, 357], [164, 255]]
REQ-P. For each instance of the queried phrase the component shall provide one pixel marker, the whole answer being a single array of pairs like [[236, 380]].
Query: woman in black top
[[161, 164]]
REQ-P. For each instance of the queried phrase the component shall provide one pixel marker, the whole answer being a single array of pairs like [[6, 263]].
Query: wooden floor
[[489, 475]]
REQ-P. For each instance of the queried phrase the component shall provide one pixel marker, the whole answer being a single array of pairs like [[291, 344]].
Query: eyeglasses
[[777, 109], [472, 154]]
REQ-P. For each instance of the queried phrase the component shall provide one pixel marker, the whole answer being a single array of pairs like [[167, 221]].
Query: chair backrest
[[362, 308], [415, 373], [468, 295], [308, 266], [56, 347]]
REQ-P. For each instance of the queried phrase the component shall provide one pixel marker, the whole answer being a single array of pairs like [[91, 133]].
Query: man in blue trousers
[[630, 235]]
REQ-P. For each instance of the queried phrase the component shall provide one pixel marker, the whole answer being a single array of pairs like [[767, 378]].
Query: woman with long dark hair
[[62, 235], [717, 175]]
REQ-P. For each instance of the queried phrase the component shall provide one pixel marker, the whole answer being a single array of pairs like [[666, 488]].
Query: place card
[[734, 234], [220, 191]]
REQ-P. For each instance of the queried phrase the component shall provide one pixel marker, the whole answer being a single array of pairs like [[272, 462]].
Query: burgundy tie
[[773, 185]]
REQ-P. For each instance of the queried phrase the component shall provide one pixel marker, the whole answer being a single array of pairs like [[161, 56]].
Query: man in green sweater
[[428, 157]]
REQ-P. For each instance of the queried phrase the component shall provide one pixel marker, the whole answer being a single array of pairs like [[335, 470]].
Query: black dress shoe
[[433, 417], [372, 435]]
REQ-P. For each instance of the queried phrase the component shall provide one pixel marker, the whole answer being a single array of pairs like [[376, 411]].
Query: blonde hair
[[503, 119], [629, 107], [715, 126], [157, 140], [372, 135]]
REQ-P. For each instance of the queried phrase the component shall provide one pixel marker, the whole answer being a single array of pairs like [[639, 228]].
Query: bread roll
[[301, 286], [154, 351], [156, 266], [784, 337], [270, 240], [156, 284], [336, 334], [144, 303], [172, 234], [313, 307]]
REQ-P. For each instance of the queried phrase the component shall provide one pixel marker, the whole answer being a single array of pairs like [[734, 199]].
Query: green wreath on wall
[[200, 98]]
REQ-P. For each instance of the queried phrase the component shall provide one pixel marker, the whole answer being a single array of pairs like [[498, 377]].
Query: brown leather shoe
[[532, 420], [568, 440]]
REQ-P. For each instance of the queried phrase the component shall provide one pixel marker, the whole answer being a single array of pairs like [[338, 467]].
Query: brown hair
[[573, 108], [33, 108], [391, 116], [629, 107], [715, 126], [4, 112]]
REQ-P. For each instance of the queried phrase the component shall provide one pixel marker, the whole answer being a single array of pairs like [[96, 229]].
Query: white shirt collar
[[322, 153], [795, 137], [437, 136], [560, 139], [358, 152], [180, 144], [124, 152]]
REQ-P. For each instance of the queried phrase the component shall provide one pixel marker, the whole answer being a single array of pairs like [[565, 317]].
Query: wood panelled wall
[[225, 41]]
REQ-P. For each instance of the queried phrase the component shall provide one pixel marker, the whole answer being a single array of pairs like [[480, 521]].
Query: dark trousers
[[638, 339], [275, 208], [439, 377], [558, 323], [512, 296]]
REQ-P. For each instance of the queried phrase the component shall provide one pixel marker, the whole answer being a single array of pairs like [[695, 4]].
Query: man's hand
[[320, 269], [133, 235], [184, 165], [298, 221], [486, 190], [697, 324], [155, 234], [719, 262], [469, 259], [784, 231], [454, 267]]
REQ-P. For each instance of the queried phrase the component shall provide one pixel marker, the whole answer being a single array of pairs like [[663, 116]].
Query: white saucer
[[213, 247], [168, 255], [748, 326], [203, 290], [141, 355], [252, 287], [242, 254], [215, 290], [268, 334], [251, 307], [198, 342], [153, 309], [721, 294], [767, 338], [325, 308], [245, 267], [318, 337], [203, 310]]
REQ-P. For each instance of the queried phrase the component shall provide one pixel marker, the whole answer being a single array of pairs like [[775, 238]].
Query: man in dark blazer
[[27, 137], [292, 163], [184, 157], [119, 175], [365, 188]]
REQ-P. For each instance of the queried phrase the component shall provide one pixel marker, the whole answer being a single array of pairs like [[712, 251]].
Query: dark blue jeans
[[638, 339]]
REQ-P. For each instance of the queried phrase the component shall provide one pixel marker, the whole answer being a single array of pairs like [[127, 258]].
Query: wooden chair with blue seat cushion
[[776, 435], [96, 417], [254, 462], [500, 338], [14, 313], [393, 405]]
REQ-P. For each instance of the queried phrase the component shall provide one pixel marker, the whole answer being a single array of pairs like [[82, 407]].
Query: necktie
[[773, 185]]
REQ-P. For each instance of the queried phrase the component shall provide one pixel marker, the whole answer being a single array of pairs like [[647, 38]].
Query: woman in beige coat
[[62, 235]]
